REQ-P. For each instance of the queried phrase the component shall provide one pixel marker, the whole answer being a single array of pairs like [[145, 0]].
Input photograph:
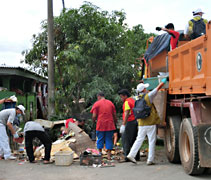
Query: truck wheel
[[172, 138], [188, 148]]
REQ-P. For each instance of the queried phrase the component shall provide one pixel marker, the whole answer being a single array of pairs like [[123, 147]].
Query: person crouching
[[31, 130]]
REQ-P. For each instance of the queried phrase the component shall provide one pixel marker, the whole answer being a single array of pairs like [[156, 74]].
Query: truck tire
[[172, 138], [188, 148]]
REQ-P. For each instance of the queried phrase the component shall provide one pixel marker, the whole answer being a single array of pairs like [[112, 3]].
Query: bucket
[[63, 158]]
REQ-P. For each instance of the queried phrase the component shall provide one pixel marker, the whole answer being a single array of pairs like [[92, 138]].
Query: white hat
[[141, 87], [198, 11], [22, 108], [13, 98]]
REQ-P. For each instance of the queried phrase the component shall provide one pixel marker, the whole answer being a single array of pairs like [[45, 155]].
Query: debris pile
[[73, 145]]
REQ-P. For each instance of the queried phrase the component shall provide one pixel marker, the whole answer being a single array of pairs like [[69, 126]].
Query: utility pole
[[63, 4], [51, 67]]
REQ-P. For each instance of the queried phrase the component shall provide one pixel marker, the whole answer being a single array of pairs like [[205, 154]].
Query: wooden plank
[[160, 101], [45, 123], [83, 141]]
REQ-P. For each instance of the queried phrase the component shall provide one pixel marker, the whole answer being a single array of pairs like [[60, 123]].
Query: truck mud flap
[[204, 134]]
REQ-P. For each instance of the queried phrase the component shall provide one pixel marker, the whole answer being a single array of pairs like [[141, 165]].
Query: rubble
[[73, 143]]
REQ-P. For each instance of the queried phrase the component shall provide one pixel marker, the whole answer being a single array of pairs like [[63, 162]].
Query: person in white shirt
[[31, 130], [7, 117]]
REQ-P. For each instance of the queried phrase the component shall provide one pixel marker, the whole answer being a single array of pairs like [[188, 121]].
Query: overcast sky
[[21, 19]]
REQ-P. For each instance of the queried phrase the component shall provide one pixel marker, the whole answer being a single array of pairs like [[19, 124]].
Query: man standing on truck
[[196, 26], [129, 127], [169, 28], [105, 113], [147, 126], [7, 117]]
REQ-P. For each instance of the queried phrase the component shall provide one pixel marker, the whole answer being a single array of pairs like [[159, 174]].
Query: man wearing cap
[[7, 117], [196, 26], [129, 127], [147, 126], [10, 99]]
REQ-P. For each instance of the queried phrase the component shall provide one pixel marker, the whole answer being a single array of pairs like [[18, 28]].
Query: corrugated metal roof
[[7, 66], [21, 69]]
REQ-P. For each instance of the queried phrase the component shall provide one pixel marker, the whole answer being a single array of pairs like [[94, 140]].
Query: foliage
[[94, 51]]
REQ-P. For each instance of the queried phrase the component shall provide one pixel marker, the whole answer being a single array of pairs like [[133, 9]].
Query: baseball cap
[[22, 108], [141, 87]]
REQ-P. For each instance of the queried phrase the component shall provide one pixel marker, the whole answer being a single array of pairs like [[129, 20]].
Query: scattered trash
[[20, 163], [107, 165], [89, 157], [71, 145], [96, 165]]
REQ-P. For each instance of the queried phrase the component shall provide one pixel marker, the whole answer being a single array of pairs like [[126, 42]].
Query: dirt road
[[14, 170]]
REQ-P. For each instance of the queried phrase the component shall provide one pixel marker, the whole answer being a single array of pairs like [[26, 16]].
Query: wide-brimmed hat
[[22, 108], [13, 98], [141, 87], [198, 11]]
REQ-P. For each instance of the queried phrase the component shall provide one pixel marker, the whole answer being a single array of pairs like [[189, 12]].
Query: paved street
[[12, 170]]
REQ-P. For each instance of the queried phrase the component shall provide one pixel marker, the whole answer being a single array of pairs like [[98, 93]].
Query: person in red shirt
[[169, 28], [129, 127], [104, 112]]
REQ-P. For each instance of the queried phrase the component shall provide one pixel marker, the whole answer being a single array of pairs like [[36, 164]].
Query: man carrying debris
[[7, 117], [105, 113], [31, 130], [129, 127], [146, 125]]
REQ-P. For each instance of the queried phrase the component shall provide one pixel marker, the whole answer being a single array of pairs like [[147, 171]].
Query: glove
[[164, 80], [16, 136], [122, 129], [158, 28]]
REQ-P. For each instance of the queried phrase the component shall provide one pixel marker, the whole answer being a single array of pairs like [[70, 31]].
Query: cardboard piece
[[57, 146]]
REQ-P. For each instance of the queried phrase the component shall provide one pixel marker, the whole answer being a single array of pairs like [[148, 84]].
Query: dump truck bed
[[190, 66]]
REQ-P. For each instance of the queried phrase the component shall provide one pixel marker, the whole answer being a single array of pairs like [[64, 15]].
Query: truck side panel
[[158, 64], [208, 57], [188, 68]]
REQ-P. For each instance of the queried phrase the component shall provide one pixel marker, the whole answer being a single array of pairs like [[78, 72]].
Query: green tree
[[94, 51]]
